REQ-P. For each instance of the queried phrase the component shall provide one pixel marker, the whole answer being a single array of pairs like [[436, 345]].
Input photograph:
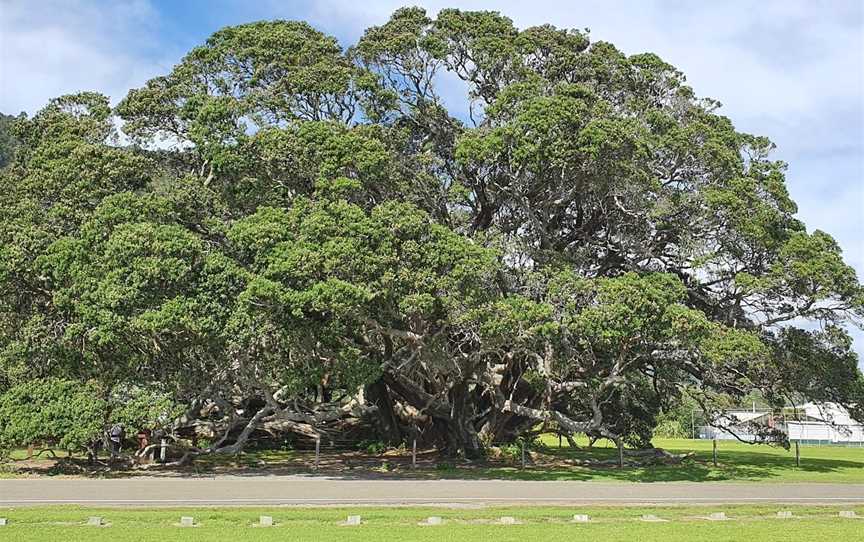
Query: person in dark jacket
[[115, 436]]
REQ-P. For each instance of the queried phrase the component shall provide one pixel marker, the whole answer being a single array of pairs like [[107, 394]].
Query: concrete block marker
[[581, 518], [651, 518], [4, 522], [508, 520], [432, 520], [94, 521], [718, 516], [265, 521], [848, 514], [352, 521], [784, 514], [187, 521]]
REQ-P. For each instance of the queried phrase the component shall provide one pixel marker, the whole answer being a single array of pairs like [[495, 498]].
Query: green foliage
[[512, 452], [8, 141], [324, 268], [66, 414], [72, 415], [679, 419], [372, 447], [140, 408], [266, 73]]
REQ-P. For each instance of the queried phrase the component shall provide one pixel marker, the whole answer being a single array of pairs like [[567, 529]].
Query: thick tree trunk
[[462, 436], [453, 424], [378, 394]]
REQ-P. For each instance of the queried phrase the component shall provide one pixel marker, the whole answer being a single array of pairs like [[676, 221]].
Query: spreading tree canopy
[[296, 237]]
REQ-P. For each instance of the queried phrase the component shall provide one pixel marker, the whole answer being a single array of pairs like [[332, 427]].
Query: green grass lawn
[[382, 524], [737, 462]]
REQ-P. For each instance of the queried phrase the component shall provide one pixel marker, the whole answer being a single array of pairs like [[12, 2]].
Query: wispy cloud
[[49, 48]]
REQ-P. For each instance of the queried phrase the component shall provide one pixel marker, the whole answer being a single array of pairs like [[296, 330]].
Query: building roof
[[828, 412], [743, 416]]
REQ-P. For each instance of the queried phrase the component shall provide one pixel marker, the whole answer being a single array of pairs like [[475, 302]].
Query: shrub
[[57, 412], [372, 447]]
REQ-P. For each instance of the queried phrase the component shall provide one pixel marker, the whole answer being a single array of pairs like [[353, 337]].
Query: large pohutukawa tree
[[308, 239]]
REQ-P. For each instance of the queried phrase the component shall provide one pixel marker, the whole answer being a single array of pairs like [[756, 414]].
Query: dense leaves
[[8, 141], [66, 414]]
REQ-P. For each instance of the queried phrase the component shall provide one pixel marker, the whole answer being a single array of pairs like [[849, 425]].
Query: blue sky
[[790, 70]]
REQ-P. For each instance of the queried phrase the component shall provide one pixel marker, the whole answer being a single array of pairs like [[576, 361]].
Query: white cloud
[[50, 48]]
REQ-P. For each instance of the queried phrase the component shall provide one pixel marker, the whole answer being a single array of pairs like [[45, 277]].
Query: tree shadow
[[546, 464]]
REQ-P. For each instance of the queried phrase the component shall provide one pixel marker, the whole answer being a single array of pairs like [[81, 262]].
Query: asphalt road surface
[[304, 490]]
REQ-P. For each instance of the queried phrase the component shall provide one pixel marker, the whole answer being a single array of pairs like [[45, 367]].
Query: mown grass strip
[[379, 524]]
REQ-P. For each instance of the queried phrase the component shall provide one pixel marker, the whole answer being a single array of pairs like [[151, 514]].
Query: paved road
[[299, 490]]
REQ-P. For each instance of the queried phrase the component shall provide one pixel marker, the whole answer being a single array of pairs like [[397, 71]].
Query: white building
[[739, 424], [825, 424], [814, 424]]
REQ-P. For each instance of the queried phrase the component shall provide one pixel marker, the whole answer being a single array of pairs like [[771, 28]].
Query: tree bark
[[388, 424], [462, 437]]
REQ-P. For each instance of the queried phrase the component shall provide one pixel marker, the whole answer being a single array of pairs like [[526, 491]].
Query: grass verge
[[381, 524]]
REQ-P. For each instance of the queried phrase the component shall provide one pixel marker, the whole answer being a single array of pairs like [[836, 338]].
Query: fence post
[[317, 451], [620, 444], [715, 451], [693, 423], [559, 441], [797, 455], [524, 443]]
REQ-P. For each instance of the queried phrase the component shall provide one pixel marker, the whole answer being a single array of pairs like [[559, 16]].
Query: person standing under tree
[[115, 436], [159, 436], [143, 437]]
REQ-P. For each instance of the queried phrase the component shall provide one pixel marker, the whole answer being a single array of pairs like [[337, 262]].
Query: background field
[[321, 524], [736, 462]]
